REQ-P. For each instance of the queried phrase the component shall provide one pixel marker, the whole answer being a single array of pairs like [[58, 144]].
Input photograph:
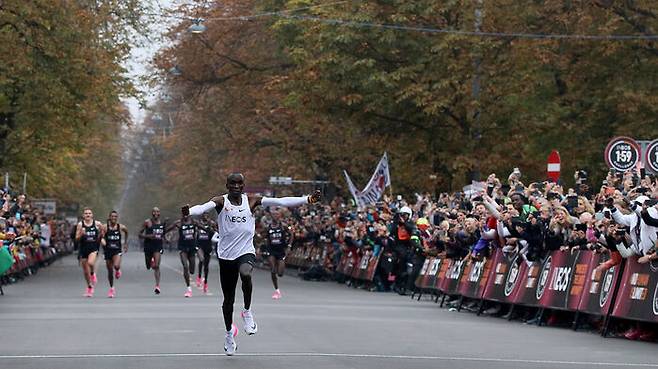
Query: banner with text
[[375, 187], [637, 297]]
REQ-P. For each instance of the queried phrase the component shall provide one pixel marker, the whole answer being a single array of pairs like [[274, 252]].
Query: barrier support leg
[[576, 321], [443, 299], [606, 326], [460, 302], [436, 297], [510, 314], [540, 318], [2, 293], [480, 307]]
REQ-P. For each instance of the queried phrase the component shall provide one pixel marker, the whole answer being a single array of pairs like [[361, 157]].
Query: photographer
[[643, 235], [405, 234]]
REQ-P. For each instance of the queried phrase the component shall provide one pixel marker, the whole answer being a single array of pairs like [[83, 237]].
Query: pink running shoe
[[198, 282], [110, 293], [205, 288], [94, 279], [188, 293], [157, 289], [89, 292], [117, 273], [276, 295]]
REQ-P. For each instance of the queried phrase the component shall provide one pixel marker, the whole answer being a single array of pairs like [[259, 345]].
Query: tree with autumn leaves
[[61, 78], [309, 93]]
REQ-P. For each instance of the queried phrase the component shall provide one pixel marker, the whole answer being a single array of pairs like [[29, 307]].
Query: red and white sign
[[622, 154], [553, 167]]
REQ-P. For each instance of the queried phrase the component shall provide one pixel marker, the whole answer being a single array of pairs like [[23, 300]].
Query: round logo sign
[[652, 156], [512, 277], [606, 287], [655, 300], [543, 278], [622, 153]]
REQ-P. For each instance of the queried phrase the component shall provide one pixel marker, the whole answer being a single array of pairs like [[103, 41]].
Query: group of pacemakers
[[233, 233]]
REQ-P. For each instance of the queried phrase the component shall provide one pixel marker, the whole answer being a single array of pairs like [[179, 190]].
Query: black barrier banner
[[422, 276], [433, 273], [536, 274], [505, 277], [441, 274], [349, 265], [566, 279], [599, 287], [344, 258], [365, 269], [450, 281], [474, 278], [637, 297]]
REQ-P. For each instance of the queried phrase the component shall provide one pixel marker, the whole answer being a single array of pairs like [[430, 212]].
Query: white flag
[[375, 187]]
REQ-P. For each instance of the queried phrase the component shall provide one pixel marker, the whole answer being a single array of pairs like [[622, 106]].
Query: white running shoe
[[250, 326], [230, 346]]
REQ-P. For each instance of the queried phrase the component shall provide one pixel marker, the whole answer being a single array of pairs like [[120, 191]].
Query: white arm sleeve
[[200, 209], [284, 201], [492, 209], [623, 219], [489, 235]]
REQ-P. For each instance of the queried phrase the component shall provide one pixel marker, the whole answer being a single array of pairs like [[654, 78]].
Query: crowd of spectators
[[29, 236], [531, 219]]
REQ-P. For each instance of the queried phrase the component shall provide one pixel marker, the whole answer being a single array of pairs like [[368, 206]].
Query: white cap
[[406, 210]]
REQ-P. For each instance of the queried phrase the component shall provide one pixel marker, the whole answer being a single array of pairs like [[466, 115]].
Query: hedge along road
[[46, 323]]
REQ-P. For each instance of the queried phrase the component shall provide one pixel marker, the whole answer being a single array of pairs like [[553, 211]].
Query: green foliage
[[412, 92], [60, 84], [344, 93]]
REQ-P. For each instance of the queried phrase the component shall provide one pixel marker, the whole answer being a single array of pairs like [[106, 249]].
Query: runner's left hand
[[315, 197]]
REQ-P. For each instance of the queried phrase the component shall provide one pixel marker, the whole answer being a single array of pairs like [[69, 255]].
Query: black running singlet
[[113, 238], [91, 234], [203, 238], [157, 230], [276, 236], [186, 234]]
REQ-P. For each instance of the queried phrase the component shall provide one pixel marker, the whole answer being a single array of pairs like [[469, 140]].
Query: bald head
[[235, 184], [235, 177]]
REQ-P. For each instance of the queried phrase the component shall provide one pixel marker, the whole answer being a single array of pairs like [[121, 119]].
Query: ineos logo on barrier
[[622, 153], [425, 267], [543, 278], [512, 277], [607, 285], [435, 266], [455, 269], [560, 280], [476, 272]]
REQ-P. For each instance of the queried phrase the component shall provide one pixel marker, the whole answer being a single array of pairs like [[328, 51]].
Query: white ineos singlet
[[236, 230]]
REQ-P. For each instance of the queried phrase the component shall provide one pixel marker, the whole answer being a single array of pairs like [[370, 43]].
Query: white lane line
[[342, 355]]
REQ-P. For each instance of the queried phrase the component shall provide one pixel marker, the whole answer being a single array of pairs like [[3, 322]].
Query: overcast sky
[[139, 63]]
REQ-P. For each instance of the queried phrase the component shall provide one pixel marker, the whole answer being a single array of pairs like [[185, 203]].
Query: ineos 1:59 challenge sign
[[622, 153], [652, 155]]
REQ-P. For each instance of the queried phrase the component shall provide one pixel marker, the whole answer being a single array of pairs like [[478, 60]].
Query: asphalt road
[[46, 323]]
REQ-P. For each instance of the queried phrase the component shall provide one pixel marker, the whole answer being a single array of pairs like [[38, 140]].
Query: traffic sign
[[622, 153], [651, 155], [553, 167]]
